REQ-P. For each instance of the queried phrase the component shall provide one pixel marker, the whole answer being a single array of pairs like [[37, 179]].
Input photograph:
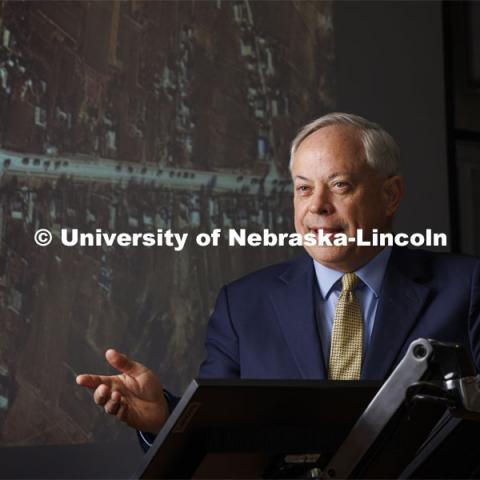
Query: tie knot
[[349, 282]]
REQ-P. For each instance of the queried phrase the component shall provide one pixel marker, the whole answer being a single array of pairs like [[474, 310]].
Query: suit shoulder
[[444, 257], [451, 263]]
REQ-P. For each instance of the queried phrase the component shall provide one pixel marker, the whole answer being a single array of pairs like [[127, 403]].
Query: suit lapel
[[293, 302], [401, 301]]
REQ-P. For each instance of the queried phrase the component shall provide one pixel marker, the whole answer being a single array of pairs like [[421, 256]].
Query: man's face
[[337, 191]]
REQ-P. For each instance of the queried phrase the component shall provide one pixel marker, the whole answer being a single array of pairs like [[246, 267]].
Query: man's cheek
[[298, 224]]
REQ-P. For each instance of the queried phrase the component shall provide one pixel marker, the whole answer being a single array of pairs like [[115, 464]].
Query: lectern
[[320, 429]]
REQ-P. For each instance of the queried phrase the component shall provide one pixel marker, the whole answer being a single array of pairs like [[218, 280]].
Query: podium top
[[234, 418]]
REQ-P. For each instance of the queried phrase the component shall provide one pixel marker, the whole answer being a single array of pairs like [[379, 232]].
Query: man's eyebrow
[[334, 175], [299, 177], [330, 177]]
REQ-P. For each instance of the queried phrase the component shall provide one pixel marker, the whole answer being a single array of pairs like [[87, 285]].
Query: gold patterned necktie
[[347, 334]]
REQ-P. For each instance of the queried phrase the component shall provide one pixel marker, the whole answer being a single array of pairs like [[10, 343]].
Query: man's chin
[[331, 257]]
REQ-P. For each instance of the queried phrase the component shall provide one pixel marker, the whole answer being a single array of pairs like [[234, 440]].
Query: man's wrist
[[147, 438]]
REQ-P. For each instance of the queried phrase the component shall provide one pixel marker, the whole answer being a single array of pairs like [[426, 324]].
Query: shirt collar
[[371, 274]]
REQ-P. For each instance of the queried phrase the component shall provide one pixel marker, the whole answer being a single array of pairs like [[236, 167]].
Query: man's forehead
[[329, 163], [344, 134], [333, 144]]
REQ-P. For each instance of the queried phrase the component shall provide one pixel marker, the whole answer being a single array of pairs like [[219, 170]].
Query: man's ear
[[393, 188]]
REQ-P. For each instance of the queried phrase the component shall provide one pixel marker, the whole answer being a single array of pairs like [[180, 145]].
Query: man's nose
[[320, 202]]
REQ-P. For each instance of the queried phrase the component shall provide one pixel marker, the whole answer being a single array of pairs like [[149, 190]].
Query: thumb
[[123, 364]]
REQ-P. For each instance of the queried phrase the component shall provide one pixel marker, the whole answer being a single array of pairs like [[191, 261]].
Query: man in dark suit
[[338, 312], [275, 334]]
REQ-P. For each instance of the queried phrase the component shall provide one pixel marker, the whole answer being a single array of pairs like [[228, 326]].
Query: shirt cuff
[[147, 438]]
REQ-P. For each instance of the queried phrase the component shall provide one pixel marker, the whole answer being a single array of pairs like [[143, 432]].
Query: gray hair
[[381, 151]]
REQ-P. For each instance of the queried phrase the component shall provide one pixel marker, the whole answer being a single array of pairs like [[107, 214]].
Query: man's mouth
[[329, 232]]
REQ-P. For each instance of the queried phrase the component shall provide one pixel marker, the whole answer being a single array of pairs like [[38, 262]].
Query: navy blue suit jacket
[[264, 326]]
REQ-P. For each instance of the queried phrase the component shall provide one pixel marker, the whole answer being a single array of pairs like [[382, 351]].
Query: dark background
[[409, 66], [137, 116]]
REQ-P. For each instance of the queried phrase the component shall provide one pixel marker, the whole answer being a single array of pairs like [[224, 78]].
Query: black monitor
[[255, 428]]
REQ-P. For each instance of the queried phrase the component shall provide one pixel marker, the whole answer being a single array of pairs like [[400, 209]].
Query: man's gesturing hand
[[135, 396]]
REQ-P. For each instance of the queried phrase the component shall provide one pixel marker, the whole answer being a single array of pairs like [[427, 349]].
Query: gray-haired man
[[340, 312]]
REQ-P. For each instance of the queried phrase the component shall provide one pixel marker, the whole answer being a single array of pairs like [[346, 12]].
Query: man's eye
[[303, 188], [341, 185]]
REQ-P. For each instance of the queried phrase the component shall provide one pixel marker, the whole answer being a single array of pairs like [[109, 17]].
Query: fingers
[[122, 411], [101, 395], [113, 404], [112, 401], [122, 363], [116, 406], [93, 381]]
